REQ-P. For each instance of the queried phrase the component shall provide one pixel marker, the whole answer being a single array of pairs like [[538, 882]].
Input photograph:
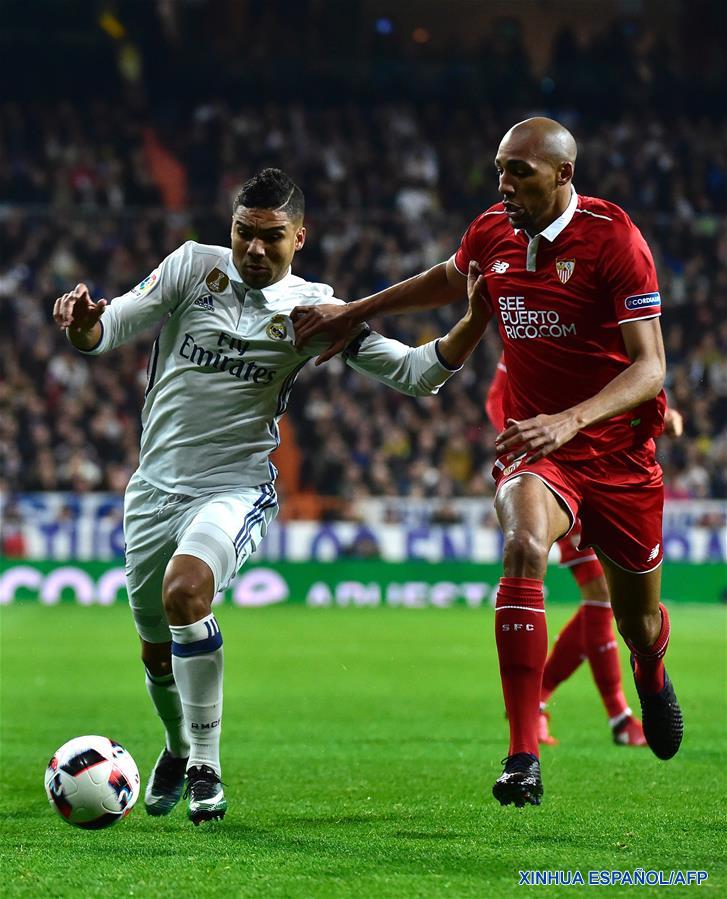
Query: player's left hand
[[535, 437], [673, 423], [480, 311]]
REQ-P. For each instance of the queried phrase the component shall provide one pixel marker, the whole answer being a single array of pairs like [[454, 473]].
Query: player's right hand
[[77, 310], [536, 437]]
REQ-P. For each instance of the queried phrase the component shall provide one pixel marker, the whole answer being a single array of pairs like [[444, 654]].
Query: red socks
[[522, 645], [568, 651], [649, 670], [602, 651], [589, 634]]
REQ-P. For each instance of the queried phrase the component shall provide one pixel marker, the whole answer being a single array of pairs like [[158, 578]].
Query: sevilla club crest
[[564, 268]]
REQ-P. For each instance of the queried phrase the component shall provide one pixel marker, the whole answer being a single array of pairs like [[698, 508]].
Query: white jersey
[[222, 368]]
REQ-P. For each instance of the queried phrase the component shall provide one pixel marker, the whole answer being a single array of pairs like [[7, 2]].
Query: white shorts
[[221, 529]]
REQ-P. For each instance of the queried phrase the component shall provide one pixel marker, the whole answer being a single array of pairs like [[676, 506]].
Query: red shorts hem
[[619, 499], [566, 502]]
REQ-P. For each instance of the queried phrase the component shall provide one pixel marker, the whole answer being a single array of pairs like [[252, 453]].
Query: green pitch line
[[359, 751]]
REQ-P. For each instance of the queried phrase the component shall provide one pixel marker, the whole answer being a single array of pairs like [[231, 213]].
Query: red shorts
[[583, 563], [619, 499]]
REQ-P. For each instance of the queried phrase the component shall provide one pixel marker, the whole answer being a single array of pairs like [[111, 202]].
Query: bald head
[[535, 162], [543, 138]]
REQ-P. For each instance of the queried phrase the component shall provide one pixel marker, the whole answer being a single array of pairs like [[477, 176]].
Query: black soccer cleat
[[166, 782], [206, 797], [661, 718], [520, 782]]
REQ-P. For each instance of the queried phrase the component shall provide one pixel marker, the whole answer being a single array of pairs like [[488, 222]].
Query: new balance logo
[[500, 267], [654, 553], [206, 303]]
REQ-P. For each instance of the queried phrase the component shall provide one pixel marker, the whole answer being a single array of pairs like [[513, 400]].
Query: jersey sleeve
[[417, 371], [495, 396], [157, 296], [630, 277], [465, 253]]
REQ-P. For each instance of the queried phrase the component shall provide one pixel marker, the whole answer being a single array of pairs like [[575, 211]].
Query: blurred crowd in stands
[[101, 193]]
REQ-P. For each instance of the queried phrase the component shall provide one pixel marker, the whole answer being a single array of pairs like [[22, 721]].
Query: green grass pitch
[[359, 748]]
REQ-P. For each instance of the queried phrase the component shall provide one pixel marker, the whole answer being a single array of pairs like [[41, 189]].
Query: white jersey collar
[[272, 290], [561, 223], [285, 283]]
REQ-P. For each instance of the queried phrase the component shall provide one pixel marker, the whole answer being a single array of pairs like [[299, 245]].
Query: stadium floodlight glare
[[384, 26]]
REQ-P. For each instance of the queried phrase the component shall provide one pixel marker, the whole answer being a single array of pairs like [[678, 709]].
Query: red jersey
[[496, 396], [559, 299]]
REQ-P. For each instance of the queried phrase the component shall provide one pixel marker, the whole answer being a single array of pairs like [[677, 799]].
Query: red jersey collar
[[561, 223]]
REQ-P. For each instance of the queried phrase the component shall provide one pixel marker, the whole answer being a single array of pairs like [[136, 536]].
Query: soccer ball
[[92, 782]]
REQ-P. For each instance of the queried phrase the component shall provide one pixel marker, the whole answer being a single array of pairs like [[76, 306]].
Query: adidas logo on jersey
[[500, 267], [206, 303]]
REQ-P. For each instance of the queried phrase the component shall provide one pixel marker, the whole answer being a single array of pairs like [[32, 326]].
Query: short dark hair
[[271, 189]]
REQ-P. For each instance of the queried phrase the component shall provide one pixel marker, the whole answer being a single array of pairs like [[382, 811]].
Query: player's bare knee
[[187, 590], [524, 554], [184, 600], [641, 631]]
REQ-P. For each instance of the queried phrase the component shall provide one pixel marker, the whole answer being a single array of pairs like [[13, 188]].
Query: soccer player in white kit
[[219, 378]]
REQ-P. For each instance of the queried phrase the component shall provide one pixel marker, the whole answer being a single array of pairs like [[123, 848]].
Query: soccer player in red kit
[[572, 285], [589, 633]]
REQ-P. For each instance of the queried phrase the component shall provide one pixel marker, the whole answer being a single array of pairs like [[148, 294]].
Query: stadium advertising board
[[364, 583], [61, 527]]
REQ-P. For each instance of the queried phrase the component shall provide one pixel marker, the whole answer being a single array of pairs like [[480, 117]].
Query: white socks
[[197, 664], [165, 696]]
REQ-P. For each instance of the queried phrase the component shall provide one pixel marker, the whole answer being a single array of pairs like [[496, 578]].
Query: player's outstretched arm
[[438, 286], [457, 346], [78, 315], [641, 381], [98, 327], [422, 370]]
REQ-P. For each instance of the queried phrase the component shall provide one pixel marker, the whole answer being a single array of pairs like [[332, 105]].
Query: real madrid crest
[[216, 281], [564, 268], [277, 329]]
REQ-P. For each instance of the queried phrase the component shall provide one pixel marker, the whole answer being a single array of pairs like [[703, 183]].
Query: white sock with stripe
[[197, 663]]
